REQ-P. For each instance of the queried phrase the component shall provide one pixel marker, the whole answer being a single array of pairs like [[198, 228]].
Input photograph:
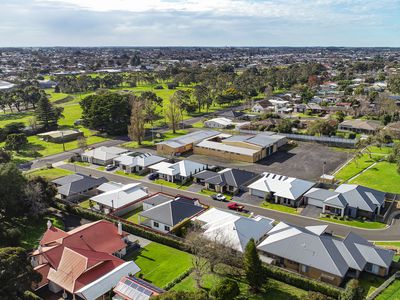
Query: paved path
[[390, 233]]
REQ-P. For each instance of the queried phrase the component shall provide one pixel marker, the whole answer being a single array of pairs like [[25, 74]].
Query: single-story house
[[228, 180], [169, 215], [59, 136], [184, 143], [312, 252], [74, 186], [83, 263], [315, 108], [231, 114], [131, 163], [218, 123], [119, 197], [103, 155], [180, 171], [361, 126], [233, 230], [262, 106], [156, 199], [133, 288], [348, 199], [283, 189]]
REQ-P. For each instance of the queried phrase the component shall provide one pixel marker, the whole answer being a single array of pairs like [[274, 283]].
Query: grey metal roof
[[172, 212], [320, 194], [205, 174], [158, 199], [77, 183], [190, 138], [361, 197], [231, 177], [324, 251]]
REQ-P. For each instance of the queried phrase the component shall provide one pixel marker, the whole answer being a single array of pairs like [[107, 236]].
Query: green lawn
[[273, 289], [356, 223], [393, 244], [133, 216], [392, 292], [161, 264], [172, 184], [280, 207], [356, 166], [50, 174], [369, 283], [85, 204], [383, 176], [131, 175]]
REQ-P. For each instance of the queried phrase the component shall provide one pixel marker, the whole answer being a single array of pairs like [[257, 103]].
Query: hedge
[[136, 230], [302, 282], [177, 280]]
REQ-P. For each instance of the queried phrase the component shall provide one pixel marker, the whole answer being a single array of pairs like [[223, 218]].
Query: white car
[[219, 197]]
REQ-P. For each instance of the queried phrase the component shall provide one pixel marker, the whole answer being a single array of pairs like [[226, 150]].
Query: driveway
[[311, 211], [196, 188]]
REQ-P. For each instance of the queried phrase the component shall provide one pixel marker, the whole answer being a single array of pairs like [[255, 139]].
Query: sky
[[361, 23]]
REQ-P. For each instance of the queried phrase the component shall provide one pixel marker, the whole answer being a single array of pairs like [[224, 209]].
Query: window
[[304, 268], [166, 228], [155, 224]]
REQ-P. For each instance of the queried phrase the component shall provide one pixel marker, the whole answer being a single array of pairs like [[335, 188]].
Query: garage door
[[257, 193], [315, 202]]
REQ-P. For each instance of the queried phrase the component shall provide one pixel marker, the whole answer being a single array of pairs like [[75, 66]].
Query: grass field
[[369, 283], [357, 166], [392, 292], [161, 264], [273, 289], [383, 176], [133, 216], [356, 223], [279, 207], [131, 175], [85, 204], [50, 174]]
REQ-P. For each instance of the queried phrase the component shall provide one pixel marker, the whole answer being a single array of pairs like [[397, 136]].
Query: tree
[[254, 271], [16, 274], [15, 141], [5, 156], [47, 115], [39, 194], [322, 127], [173, 112], [82, 142], [352, 291], [340, 115], [136, 129], [226, 289], [201, 94], [285, 126], [394, 84]]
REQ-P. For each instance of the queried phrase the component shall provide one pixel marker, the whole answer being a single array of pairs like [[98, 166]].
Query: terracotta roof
[[52, 234], [42, 270]]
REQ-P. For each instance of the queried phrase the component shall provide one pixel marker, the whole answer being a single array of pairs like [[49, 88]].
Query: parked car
[[235, 206], [110, 167], [153, 176], [218, 197]]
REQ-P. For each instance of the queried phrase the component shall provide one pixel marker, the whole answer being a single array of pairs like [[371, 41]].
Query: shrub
[[28, 295], [177, 280], [352, 291], [158, 87], [226, 289], [316, 296], [172, 86]]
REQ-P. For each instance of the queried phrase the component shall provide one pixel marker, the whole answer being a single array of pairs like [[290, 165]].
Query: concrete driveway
[[311, 211]]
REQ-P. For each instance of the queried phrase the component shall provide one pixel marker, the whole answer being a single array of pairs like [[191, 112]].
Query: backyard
[[133, 216], [158, 263], [392, 292]]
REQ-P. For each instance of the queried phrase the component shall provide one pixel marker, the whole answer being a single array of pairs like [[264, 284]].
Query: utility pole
[[62, 138]]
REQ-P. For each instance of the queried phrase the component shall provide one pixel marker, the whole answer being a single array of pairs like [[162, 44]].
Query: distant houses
[[137, 162], [361, 126]]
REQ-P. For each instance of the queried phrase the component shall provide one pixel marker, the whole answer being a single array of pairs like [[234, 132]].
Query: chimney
[[119, 228], [49, 224]]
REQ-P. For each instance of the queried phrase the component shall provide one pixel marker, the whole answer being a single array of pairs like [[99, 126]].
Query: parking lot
[[303, 161]]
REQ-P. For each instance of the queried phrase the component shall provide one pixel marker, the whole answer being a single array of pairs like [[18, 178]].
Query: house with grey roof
[[313, 252], [281, 189], [347, 200], [133, 163], [181, 171], [227, 180], [360, 126], [102, 155], [74, 186], [170, 214], [156, 199]]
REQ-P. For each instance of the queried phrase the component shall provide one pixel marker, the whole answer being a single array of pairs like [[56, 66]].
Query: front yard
[[173, 184], [49, 174], [356, 223], [279, 207], [210, 193], [161, 264], [131, 175]]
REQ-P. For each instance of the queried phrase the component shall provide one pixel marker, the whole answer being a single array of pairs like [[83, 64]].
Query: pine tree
[[47, 115], [255, 274]]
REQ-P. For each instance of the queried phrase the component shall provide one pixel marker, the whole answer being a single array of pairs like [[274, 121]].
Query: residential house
[[60, 136], [180, 171], [74, 186], [280, 105], [361, 126], [103, 155], [315, 108], [348, 199], [218, 123], [233, 230], [120, 197], [262, 106], [228, 180], [133, 163], [184, 143], [231, 114], [282, 189], [83, 263], [156, 199], [133, 288], [300, 108], [314, 253], [169, 215]]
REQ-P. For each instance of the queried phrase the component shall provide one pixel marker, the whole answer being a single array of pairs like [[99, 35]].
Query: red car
[[235, 206]]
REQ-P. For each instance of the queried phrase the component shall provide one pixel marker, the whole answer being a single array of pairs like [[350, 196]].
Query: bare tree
[[136, 129]]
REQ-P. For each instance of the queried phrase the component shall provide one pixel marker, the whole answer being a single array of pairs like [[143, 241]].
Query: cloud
[[199, 22]]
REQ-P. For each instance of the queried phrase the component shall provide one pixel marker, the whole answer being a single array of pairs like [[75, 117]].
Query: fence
[[309, 138], [383, 286]]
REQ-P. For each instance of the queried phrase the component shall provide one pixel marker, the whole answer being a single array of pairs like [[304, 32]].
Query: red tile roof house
[[82, 263]]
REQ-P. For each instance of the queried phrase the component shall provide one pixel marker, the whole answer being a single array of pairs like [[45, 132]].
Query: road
[[390, 233]]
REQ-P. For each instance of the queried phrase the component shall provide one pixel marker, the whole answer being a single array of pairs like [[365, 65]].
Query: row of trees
[[26, 96]]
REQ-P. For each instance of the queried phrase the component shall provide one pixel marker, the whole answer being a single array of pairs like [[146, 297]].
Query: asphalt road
[[391, 233]]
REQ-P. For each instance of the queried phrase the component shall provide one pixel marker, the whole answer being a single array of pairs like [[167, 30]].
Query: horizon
[[226, 23]]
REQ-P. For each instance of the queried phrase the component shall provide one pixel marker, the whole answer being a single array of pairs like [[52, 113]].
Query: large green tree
[[254, 271], [226, 289], [47, 114]]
